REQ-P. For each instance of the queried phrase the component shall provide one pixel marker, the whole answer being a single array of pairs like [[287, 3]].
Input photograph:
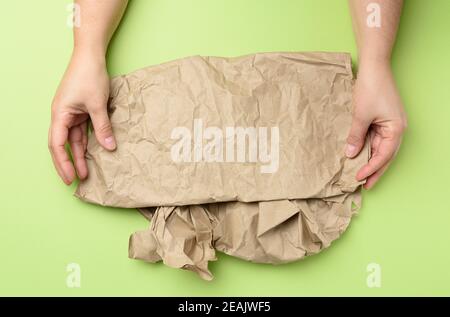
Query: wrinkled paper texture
[[197, 206]]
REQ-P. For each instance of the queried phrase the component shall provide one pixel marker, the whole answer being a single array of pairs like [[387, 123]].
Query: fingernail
[[66, 180], [110, 143], [350, 150]]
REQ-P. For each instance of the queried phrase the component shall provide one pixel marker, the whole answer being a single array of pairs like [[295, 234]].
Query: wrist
[[90, 53], [370, 65]]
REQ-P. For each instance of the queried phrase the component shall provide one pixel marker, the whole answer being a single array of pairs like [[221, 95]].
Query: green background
[[404, 222]]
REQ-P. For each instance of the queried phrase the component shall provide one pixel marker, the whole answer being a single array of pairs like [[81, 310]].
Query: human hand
[[82, 94], [378, 110]]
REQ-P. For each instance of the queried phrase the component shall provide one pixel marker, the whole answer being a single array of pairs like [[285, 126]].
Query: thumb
[[102, 128], [356, 137]]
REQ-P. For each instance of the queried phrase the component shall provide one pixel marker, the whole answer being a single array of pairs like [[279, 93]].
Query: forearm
[[84, 90], [377, 106], [375, 43], [98, 21]]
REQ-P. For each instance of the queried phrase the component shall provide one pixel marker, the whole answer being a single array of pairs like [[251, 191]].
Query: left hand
[[378, 110]]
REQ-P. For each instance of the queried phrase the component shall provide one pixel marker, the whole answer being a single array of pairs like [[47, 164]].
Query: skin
[[378, 109], [84, 90]]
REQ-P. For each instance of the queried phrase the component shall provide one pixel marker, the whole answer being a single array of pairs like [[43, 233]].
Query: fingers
[[57, 138], [102, 128], [372, 179], [382, 156], [356, 137], [84, 130], [78, 144]]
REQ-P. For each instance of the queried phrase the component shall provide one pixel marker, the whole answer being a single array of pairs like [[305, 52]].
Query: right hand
[[82, 94]]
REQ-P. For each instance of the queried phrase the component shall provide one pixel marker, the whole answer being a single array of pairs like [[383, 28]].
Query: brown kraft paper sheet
[[243, 155]]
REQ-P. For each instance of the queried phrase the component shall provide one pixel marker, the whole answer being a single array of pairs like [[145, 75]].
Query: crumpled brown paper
[[296, 209], [265, 232]]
